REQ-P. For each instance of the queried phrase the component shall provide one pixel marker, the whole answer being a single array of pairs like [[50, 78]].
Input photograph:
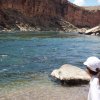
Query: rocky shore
[[65, 27]]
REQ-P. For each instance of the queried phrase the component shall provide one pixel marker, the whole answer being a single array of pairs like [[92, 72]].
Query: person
[[93, 69]]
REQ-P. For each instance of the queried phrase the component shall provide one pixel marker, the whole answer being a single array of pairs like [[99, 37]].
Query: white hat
[[93, 63]]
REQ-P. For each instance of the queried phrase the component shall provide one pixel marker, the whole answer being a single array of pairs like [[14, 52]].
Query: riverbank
[[49, 92]]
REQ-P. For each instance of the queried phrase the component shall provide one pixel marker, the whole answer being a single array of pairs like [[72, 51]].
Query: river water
[[29, 57]]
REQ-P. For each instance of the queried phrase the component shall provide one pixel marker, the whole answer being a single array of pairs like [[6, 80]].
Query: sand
[[52, 92]]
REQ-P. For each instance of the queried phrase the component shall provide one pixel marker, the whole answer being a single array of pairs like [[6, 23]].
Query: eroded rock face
[[32, 8], [81, 17], [45, 14]]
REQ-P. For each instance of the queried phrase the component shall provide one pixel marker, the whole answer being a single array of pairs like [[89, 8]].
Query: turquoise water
[[31, 57]]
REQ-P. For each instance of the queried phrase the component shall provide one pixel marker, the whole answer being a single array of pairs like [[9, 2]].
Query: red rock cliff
[[47, 11], [81, 17]]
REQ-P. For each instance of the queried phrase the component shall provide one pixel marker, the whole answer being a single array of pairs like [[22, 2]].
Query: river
[[28, 58]]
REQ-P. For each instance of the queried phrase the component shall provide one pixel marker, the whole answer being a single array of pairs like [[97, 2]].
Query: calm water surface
[[29, 57]]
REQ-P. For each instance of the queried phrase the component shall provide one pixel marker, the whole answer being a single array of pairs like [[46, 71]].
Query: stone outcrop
[[71, 75], [45, 14], [93, 31]]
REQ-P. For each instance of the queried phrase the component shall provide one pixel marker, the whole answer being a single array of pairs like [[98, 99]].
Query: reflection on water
[[30, 57], [29, 35]]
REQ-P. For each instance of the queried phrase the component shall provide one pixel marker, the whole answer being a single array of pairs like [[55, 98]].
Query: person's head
[[93, 66]]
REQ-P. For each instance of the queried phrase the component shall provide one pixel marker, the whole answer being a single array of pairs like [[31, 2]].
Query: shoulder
[[94, 86], [94, 82]]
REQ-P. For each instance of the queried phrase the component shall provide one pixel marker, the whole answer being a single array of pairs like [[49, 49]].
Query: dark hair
[[95, 73], [91, 72]]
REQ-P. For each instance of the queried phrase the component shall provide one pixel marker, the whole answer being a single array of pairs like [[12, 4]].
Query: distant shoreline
[[78, 30]]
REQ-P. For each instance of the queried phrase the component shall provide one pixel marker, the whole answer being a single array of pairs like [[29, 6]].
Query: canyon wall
[[46, 13], [81, 17], [32, 8]]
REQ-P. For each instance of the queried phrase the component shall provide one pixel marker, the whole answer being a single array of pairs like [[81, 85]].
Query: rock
[[93, 31], [25, 27], [81, 30], [67, 26], [71, 75]]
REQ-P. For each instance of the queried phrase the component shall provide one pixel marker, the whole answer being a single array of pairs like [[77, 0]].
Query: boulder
[[93, 31], [71, 75]]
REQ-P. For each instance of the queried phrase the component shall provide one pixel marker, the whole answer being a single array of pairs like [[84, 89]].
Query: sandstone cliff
[[45, 14]]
